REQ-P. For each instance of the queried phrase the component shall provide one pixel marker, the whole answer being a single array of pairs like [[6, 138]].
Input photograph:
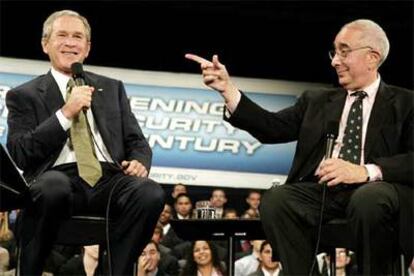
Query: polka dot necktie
[[351, 148]]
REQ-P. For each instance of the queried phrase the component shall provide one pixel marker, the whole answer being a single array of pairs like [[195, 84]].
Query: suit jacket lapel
[[50, 94], [330, 110], [382, 108], [334, 107], [98, 108], [98, 100]]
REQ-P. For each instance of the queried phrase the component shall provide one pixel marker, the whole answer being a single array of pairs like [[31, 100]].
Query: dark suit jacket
[[36, 138], [389, 140]]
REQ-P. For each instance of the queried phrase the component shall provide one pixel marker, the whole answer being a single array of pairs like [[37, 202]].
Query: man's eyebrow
[[343, 45]]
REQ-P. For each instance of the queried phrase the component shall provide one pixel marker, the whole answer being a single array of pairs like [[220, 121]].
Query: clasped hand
[[336, 171], [134, 168], [80, 98]]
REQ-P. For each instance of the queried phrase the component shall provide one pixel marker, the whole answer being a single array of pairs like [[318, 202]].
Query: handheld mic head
[[78, 74], [332, 129], [331, 134]]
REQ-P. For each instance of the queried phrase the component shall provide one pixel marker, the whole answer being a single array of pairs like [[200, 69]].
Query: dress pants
[[290, 211], [59, 193]]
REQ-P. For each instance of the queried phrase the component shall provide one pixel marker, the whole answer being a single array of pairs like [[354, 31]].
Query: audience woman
[[203, 260]]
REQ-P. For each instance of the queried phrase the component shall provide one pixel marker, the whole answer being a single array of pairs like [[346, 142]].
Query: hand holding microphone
[[81, 94], [337, 171], [331, 134]]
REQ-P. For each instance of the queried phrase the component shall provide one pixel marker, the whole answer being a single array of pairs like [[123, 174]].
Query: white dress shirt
[[246, 265], [67, 155], [374, 172]]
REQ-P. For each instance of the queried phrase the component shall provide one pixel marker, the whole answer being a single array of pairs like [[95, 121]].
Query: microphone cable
[[118, 167], [108, 247], [78, 76], [318, 240], [88, 125], [332, 133]]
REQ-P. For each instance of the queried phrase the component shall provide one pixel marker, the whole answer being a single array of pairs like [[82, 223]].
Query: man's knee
[[51, 186], [154, 196], [372, 201], [272, 202]]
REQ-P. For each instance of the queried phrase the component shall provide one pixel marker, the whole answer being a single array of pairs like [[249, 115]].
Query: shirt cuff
[[374, 172], [64, 122], [231, 105]]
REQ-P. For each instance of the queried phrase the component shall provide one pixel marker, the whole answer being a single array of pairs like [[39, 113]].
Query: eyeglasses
[[343, 53]]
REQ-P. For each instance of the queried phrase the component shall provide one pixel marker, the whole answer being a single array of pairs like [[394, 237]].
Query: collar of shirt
[[214, 272], [61, 80], [166, 228], [153, 273], [367, 103], [371, 89], [269, 273], [179, 216]]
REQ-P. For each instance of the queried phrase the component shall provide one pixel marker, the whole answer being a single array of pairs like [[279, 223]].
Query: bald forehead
[[348, 37]]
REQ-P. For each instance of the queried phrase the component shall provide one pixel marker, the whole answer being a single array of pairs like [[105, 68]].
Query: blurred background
[[286, 40]]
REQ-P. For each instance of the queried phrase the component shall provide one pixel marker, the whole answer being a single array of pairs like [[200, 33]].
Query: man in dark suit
[[375, 194], [39, 121]]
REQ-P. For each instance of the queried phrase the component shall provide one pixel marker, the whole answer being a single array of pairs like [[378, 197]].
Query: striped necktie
[[89, 167]]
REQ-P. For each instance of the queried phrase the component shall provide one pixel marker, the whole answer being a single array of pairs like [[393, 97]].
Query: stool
[[85, 230]]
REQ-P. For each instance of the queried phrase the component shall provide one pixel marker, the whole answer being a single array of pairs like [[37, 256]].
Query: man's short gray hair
[[372, 35], [47, 25]]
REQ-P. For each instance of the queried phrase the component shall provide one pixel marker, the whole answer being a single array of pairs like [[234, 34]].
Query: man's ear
[[374, 58], [44, 42], [89, 49]]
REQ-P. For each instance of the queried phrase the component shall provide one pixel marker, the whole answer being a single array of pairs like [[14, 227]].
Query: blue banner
[[190, 140]]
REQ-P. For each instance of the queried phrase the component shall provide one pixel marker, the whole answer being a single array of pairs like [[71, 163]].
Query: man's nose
[[335, 60], [70, 40]]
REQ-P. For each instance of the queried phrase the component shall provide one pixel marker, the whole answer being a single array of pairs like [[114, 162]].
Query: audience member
[[253, 202], [169, 239], [267, 266], [4, 260], [168, 262], [203, 260], [183, 206], [218, 200], [7, 239], [343, 260], [90, 259], [178, 188], [230, 213], [148, 262], [248, 264]]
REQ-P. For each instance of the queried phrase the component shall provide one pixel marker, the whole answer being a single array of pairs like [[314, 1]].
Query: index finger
[[197, 59]]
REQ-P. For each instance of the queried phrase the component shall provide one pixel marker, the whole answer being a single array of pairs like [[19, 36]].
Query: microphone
[[78, 74], [331, 134]]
